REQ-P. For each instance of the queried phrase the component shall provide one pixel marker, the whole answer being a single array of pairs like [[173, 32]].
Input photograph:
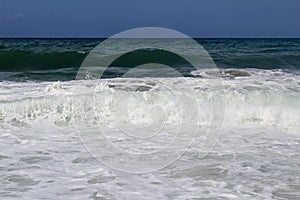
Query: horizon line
[[90, 37]]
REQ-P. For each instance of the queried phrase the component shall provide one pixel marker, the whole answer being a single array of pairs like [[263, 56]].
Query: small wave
[[219, 73]]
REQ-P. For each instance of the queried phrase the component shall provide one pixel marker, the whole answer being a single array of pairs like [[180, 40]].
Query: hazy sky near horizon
[[104, 18]]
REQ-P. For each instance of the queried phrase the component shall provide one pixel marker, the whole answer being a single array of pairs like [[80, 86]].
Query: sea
[[231, 132]]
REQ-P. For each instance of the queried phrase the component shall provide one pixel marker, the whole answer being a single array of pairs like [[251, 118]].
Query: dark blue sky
[[197, 18]]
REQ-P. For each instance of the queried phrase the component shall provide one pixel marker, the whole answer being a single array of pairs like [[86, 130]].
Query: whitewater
[[244, 140]]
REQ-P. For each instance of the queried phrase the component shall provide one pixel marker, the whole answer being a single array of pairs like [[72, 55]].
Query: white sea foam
[[265, 98], [255, 157]]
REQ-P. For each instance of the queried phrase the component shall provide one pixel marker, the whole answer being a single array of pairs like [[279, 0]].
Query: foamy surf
[[263, 98], [259, 139]]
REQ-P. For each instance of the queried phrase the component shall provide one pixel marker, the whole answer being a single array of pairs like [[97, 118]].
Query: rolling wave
[[265, 98], [27, 55], [19, 61]]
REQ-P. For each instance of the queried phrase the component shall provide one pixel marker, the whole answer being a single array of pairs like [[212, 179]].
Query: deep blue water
[[59, 59]]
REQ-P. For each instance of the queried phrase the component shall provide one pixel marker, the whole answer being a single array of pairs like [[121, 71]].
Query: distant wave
[[26, 58], [12, 61], [261, 61]]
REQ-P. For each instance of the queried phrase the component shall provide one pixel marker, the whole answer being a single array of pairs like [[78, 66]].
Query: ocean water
[[241, 123]]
